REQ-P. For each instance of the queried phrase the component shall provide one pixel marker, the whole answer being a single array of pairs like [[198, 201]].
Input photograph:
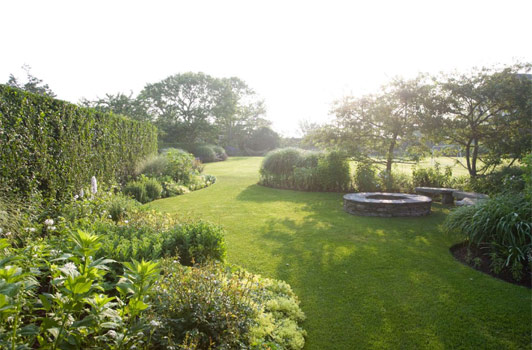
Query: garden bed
[[481, 262]]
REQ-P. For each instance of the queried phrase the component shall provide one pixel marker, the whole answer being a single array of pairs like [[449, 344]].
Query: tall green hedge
[[54, 147]]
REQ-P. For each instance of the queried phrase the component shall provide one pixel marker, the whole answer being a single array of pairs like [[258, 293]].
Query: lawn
[[380, 283]]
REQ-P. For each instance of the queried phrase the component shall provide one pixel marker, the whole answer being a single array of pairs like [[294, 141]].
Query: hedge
[[54, 147]]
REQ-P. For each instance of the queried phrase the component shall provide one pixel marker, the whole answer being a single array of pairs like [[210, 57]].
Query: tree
[[488, 112], [238, 113], [261, 141], [33, 84], [120, 103], [183, 106], [379, 124]]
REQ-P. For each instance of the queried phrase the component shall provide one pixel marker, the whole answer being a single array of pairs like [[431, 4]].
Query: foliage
[[33, 84], [54, 299], [293, 168], [261, 141], [365, 179], [205, 153], [137, 190], [432, 177], [376, 125], [180, 166], [139, 238], [486, 112], [152, 166], [527, 175], [220, 153], [507, 179], [54, 147], [213, 307], [503, 223]]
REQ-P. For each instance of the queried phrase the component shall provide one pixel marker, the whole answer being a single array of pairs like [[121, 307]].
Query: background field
[[363, 282]]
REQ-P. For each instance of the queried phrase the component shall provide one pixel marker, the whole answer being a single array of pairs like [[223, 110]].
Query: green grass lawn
[[380, 283]]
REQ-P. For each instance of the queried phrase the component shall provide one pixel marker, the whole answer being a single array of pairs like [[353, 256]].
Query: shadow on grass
[[370, 282]]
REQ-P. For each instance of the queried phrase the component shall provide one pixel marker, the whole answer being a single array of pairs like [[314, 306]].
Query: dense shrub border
[[297, 169], [54, 147]]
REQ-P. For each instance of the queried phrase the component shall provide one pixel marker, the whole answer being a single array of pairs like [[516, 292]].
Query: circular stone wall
[[386, 204]]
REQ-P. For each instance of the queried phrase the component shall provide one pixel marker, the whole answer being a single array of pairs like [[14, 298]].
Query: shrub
[[503, 223], [153, 166], [220, 153], [194, 242], [137, 190], [432, 177], [293, 168], [54, 147], [508, 179], [213, 307], [153, 189], [396, 182], [365, 179], [180, 165], [333, 172], [205, 153]]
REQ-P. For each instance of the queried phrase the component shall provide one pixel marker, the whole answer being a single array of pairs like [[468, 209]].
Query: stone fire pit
[[386, 204]]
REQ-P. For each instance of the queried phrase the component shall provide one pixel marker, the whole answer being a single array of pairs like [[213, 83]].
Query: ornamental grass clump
[[292, 168], [503, 225]]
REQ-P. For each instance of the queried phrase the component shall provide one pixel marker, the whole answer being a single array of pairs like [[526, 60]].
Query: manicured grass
[[363, 282]]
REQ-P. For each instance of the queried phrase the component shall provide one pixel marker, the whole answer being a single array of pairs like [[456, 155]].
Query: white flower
[[94, 185], [49, 222], [126, 221], [76, 197], [111, 334], [32, 229], [154, 323], [52, 228]]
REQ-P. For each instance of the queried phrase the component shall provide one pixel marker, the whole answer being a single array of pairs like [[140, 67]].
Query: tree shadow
[[391, 282]]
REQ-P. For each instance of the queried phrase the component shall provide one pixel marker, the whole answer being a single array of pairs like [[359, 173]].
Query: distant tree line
[[486, 113], [195, 108]]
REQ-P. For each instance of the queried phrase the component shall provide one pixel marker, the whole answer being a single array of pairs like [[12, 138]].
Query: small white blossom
[[94, 185], [154, 323], [52, 228], [111, 334], [49, 222], [126, 221], [76, 197]]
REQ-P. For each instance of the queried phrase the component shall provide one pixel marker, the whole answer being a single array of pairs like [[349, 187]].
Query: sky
[[299, 56]]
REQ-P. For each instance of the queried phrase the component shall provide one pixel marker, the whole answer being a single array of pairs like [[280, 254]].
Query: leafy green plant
[[365, 179], [205, 153], [152, 166], [221, 155], [502, 223], [213, 307], [293, 168], [137, 190], [432, 177], [153, 188], [180, 165]]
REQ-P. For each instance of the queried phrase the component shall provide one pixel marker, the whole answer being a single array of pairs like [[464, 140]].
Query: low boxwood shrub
[[216, 307], [504, 225]]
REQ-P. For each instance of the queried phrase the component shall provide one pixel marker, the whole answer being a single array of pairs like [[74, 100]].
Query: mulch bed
[[459, 252]]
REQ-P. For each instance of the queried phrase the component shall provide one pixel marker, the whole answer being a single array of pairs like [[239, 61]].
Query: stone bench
[[446, 193]]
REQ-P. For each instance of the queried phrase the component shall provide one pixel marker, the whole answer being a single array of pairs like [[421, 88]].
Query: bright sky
[[298, 55]]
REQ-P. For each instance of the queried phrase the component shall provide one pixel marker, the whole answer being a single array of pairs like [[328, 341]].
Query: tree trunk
[[473, 171], [389, 159]]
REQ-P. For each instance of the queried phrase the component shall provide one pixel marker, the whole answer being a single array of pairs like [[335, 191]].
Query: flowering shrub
[[215, 307]]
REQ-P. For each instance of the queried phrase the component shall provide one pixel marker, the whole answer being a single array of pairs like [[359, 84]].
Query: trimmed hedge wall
[[54, 147]]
